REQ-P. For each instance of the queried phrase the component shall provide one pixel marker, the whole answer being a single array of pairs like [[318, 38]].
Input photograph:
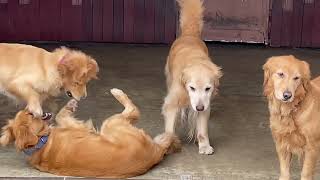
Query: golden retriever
[[75, 148], [32, 75], [192, 78], [294, 104]]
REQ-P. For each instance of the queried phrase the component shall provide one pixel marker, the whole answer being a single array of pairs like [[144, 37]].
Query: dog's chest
[[288, 135]]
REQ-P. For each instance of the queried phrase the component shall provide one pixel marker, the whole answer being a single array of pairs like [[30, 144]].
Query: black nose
[[69, 94], [287, 95], [200, 107]]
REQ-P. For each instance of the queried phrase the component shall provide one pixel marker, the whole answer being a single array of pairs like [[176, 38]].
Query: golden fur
[[32, 75], [75, 148], [295, 123], [189, 66]]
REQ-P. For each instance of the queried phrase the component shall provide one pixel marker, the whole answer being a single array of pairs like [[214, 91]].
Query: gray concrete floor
[[239, 127]]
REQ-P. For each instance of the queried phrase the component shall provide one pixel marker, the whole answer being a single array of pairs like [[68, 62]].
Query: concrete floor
[[238, 126]]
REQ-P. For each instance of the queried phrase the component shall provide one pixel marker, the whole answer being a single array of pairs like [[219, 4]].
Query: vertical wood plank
[[108, 20], [71, 21], [5, 22], [87, 21], [316, 26], [308, 19], [159, 21], [297, 23], [24, 20], [97, 34], [129, 21], [50, 20], [287, 25], [118, 7], [149, 21], [170, 21], [276, 23], [139, 21]]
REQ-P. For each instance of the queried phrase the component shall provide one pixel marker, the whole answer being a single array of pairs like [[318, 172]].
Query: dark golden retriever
[[74, 148], [294, 105]]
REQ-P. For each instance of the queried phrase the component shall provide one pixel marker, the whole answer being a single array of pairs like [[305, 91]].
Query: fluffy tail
[[169, 142], [191, 17]]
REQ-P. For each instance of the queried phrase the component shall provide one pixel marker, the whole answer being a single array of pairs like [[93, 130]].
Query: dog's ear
[[93, 69], [267, 83], [216, 73], [25, 138], [305, 80], [7, 133]]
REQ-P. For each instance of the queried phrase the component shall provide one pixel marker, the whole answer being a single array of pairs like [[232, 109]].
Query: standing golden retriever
[[192, 78], [294, 105], [74, 148], [32, 75]]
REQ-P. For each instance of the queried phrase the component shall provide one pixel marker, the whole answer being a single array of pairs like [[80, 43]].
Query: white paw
[[116, 92], [206, 150], [35, 109], [72, 105]]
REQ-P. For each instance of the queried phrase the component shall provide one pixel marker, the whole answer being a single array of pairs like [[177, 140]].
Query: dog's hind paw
[[72, 105], [116, 92], [206, 150]]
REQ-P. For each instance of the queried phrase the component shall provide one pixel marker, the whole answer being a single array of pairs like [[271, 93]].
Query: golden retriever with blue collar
[[75, 148]]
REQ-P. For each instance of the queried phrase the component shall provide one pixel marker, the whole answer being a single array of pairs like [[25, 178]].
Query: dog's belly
[[6, 93]]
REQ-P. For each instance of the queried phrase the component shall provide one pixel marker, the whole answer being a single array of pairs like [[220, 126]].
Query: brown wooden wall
[[295, 23], [132, 21]]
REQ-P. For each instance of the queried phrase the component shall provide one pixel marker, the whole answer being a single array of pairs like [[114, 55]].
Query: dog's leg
[[285, 160], [130, 112], [170, 112], [64, 118], [29, 95], [202, 132], [309, 164]]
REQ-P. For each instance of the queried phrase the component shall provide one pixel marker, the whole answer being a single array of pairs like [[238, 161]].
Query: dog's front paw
[[206, 150], [35, 109], [116, 92], [72, 105]]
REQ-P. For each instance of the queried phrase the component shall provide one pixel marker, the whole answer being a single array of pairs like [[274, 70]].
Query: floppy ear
[[216, 73], [25, 138], [305, 80], [267, 83], [7, 134], [93, 69]]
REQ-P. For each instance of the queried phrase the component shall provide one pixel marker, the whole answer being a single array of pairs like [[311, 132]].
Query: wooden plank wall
[[124, 21], [295, 23]]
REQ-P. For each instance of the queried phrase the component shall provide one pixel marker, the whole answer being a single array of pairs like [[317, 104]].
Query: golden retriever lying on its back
[[74, 148], [32, 75], [192, 78], [294, 104]]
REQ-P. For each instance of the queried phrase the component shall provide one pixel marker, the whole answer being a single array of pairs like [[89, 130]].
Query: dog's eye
[[296, 78], [281, 75], [208, 89], [192, 88]]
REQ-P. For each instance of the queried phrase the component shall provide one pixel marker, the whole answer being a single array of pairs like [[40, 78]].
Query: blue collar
[[41, 142]]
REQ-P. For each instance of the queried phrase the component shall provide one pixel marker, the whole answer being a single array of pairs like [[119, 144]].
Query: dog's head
[[76, 70], [201, 82], [286, 78], [24, 129]]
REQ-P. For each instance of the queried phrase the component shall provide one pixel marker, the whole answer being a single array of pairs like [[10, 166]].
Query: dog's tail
[[191, 17], [169, 142]]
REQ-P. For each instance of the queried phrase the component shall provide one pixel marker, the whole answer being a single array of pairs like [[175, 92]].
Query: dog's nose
[[200, 107], [287, 95], [69, 94]]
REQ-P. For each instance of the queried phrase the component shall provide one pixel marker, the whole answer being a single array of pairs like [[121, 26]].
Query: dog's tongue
[[46, 116]]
